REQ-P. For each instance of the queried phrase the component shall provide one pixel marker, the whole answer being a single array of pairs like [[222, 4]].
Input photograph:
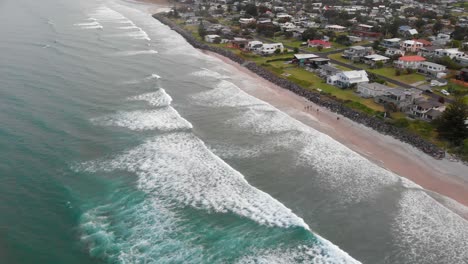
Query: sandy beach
[[445, 177]]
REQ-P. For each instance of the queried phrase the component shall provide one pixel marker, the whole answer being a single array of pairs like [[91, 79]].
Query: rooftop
[[411, 58]]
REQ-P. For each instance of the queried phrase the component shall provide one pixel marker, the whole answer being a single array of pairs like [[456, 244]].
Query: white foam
[[209, 73], [226, 94], [134, 53], [148, 78], [322, 253], [89, 25], [162, 119], [158, 98], [426, 226], [180, 167]]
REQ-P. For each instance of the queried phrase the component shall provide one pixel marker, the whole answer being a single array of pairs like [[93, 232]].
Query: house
[[246, 21], [357, 52], [374, 58], [328, 70], [432, 69], [407, 31], [254, 45], [348, 79], [319, 42], [411, 46], [463, 75], [364, 30], [452, 53], [240, 43], [318, 62], [426, 43], [270, 48], [371, 90], [212, 38], [354, 39], [402, 99], [421, 108], [391, 43], [427, 52], [440, 39], [409, 62], [303, 59], [393, 51], [336, 28]]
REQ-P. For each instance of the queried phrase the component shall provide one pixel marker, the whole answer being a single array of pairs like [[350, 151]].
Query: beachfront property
[[212, 38], [409, 62], [425, 109], [327, 70], [401, 99], [432, 69], [371, 90], [254, 45], [347, 79], [270, 48]]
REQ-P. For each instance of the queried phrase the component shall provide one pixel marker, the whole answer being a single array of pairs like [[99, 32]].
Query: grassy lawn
[[338, 57], [405, 78], [311, 81]]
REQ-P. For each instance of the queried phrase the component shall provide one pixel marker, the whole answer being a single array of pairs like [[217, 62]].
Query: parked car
[[438, 82], [444, 92]]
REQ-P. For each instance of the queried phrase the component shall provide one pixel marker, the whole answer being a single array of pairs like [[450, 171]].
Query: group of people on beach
[[309, 107]]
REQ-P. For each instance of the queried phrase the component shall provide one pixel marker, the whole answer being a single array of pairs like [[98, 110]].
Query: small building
[[432, 69], [212, 38], [391, 43], [427, 52], [426, 43], [411, 46], [357, 52], [463, 75], [393, 51], [371, 90], [254, 45], [421, 109], [409, 62], [452, 53], [270, 48], [336, 28], [328, 70], [347, 79], [407, 31], [374, 58], [319, 42], [303, 59], [354, 39], [247, 21]]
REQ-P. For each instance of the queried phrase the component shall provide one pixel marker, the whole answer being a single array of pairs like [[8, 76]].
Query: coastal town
[[403, 63]]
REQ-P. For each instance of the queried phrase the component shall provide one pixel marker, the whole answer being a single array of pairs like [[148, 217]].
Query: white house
[[212, 38], [452, 53], [374, 58], [254, 45], [393, 51], [432, 69], [246, 21], [270, 48], [336, 28], [409, 62], [346, 79], [411, 46]]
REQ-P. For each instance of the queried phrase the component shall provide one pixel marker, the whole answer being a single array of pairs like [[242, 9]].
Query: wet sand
[[444, 177]]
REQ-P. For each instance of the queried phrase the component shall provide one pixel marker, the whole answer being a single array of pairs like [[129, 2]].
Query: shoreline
[[421, 164], [442, 177]]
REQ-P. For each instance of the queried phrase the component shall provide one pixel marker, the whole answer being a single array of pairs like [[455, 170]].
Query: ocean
[[120, 143]]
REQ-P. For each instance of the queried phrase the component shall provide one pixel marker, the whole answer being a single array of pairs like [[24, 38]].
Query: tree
[[296, 50], [343, 40], [379, 64], [251, 9], [309, 33], [201, 29], [277, 51], [451, 124], [319, 47], [437, 27]]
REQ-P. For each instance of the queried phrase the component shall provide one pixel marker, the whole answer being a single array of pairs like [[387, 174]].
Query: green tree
[[201, 29], [437, 27], [251, 9], [451, 124], [310, 33]]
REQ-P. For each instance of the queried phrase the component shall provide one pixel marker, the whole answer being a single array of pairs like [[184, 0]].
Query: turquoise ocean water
[[120, 143]]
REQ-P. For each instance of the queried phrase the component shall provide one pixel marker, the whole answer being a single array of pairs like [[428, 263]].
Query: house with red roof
[[319, 42], [409, 62], [426, 43]]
